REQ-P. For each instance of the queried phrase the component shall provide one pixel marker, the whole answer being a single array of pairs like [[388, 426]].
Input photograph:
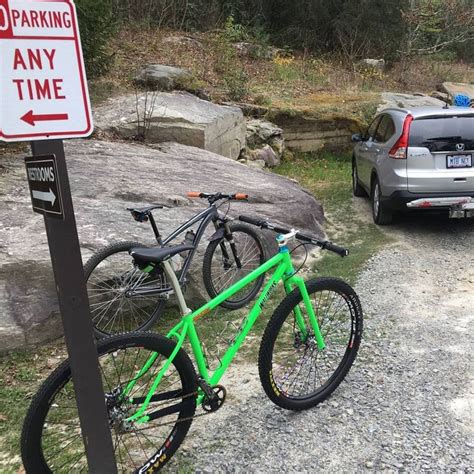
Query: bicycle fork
[[291, 282], [229, 238]]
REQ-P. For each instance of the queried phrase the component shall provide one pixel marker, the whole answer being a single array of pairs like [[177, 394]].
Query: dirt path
[[408, 403]]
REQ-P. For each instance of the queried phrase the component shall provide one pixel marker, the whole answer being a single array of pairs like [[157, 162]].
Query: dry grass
[[288, 80], [426, 74]]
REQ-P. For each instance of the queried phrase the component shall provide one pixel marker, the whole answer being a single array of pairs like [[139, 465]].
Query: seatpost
[[155, 229]]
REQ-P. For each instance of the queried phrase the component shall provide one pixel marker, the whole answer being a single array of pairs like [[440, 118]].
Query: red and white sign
[[43, 86]]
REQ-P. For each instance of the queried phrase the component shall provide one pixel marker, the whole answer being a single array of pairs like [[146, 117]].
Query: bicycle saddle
[[145, 210], [141, 215], [145, 256]]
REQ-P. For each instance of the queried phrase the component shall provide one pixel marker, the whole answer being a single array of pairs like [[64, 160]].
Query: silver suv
[[417, 158]]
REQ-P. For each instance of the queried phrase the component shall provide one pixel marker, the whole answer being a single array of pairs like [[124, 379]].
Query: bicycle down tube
[[186, 328]]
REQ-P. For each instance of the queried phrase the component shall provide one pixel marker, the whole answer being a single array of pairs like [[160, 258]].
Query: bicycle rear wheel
[[221, 269], [110, 275], [295, 374], [51, 438]]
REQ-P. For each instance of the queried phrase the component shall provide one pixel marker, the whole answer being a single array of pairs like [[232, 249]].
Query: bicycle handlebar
[[324, 244], [213, 197]]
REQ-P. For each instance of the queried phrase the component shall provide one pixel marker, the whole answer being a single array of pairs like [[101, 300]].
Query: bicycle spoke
[[116, 303]]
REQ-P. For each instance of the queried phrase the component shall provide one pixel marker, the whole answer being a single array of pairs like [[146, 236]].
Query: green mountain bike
[[152, 389]]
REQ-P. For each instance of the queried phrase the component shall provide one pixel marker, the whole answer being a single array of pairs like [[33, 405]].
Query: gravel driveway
[[406, 405]]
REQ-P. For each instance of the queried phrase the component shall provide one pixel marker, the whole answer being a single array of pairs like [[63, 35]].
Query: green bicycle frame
[[186, 328]]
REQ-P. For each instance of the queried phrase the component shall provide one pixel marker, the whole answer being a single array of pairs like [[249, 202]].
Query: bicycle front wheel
[[227, 261], [112, 284], [294, 372], [51, 438]]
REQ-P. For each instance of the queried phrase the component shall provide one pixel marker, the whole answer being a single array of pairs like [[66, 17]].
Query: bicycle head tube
[[283, 239]]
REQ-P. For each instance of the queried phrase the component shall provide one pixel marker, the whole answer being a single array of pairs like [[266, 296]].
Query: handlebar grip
[[336, 249], [252, 220], [193, 194], [241, 197]]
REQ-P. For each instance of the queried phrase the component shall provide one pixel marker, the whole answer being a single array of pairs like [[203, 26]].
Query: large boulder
[[162, 78], [178, 117], [458, 88], [397, 100], [106, 178], [368, 63]]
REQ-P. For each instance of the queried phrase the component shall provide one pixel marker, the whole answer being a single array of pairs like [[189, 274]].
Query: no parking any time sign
[[43, 87]]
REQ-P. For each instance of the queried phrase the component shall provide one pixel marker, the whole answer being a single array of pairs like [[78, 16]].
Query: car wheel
[[381, 214], [357, 189]]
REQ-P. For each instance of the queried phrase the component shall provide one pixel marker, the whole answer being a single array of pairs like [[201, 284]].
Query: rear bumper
[[399, 200], [462, 203]]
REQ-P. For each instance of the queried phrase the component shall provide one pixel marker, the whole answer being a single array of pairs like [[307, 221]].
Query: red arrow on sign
[[31, 118]]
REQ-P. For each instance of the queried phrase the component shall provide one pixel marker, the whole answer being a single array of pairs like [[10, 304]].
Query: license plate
[[459, 161]]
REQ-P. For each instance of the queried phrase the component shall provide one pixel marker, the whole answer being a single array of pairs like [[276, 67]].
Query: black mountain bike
[[124, 298]]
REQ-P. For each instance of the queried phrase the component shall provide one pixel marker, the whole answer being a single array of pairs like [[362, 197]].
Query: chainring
[[213, 404]]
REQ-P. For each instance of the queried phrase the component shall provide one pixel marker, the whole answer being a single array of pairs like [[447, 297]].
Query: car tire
[[357, 189], [380, 213]]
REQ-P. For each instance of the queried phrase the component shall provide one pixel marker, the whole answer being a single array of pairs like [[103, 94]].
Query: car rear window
[[443, 133]]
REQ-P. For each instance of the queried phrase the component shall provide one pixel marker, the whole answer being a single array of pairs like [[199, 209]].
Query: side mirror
[[357, 137]]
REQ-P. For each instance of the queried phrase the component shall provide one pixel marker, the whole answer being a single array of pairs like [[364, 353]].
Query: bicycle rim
[[114, 307], [225, 271], [299, 370], [138, 447]]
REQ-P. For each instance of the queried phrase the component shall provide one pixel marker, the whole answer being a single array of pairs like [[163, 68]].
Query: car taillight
[[400, 149]]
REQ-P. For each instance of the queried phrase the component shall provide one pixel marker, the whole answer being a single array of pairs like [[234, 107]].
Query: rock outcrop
[[175, 117], [183, 41], [106, 178], [261, 132], [307, 134], [265, 143]]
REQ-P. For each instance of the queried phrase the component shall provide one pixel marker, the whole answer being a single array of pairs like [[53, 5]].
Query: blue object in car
[[461, 100]]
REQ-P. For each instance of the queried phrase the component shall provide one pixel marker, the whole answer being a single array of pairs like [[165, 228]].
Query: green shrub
[[228, 63], [97, 23], [236, 82], [234, 32]]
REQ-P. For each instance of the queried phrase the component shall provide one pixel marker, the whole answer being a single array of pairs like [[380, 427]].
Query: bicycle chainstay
[[216, 389]]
